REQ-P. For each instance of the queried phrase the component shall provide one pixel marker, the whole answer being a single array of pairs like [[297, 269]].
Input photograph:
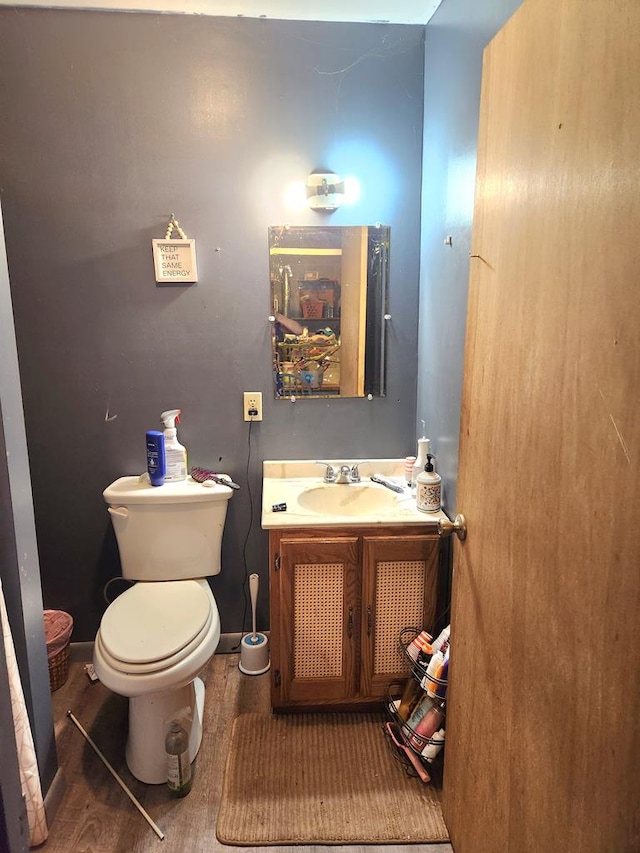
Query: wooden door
[[543, 741], [353, 300], [400, 576], [319, 619]]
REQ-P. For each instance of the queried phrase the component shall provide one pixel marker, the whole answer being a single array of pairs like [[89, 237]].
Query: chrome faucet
[[344, 475]]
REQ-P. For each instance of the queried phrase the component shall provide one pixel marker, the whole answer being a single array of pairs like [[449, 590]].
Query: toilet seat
[[153, 626]]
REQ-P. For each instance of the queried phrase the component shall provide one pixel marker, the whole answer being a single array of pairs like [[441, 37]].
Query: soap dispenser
[[424, 446], [428, 488]]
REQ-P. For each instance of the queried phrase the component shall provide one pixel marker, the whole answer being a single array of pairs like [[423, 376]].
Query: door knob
[[457, 526]]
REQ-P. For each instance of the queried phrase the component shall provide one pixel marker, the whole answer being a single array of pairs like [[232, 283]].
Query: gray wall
[[456, 36], [113, 121]]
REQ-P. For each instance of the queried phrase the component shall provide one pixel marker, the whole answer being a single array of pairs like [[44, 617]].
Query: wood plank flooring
[[96, 816]]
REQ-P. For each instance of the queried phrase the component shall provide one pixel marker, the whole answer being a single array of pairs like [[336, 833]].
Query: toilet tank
[[170, 532]]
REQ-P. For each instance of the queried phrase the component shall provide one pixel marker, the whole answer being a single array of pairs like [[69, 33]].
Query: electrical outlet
[[252, 405]]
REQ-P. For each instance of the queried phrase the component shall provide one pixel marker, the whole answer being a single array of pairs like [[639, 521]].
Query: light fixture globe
[[325, 191]]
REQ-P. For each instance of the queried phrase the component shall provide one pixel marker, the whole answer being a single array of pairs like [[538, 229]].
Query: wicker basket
[[59, 668], [57, 630], [312, 309]]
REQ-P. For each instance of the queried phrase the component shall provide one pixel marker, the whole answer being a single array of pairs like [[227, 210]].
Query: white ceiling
[[387, 11]]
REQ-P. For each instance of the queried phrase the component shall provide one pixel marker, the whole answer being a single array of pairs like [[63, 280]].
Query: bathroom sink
[[294, 495], [332, 499]]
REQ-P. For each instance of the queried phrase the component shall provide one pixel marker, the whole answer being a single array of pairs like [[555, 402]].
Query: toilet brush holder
[[254, 647], [254, 654]]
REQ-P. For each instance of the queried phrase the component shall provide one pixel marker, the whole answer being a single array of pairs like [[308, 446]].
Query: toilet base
[[149, 717]]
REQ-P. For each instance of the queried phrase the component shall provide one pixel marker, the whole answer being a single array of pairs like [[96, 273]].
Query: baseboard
[[54, 796], [229, 644], [81, 652]]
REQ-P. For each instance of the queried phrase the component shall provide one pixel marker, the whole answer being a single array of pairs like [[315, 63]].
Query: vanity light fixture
[[327, 191]]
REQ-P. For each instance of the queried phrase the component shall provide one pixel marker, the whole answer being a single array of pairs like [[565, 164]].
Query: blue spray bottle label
[[156, 465]]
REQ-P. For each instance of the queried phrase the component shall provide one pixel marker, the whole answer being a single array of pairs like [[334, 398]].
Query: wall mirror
[[329, 291]]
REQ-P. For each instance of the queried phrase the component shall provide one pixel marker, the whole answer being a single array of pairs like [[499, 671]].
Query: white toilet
[[157, 636]]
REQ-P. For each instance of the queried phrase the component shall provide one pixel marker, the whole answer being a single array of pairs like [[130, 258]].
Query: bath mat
[[321, 779]]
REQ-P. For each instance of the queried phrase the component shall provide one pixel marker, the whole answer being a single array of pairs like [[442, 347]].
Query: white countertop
[[294, 482]]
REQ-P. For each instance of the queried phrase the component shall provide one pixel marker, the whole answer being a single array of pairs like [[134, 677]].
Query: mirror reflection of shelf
[[317, 299], [318, 321], [308, 367], [298, 250]]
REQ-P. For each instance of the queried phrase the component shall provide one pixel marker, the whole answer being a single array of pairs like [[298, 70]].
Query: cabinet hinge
[[276, 562], [276, 678]]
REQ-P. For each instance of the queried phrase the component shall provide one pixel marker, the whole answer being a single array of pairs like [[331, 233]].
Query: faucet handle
[[355, 470], [329, 474]]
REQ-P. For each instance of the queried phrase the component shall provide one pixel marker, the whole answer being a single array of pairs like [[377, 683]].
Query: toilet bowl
[[156, 637], [146, 650]]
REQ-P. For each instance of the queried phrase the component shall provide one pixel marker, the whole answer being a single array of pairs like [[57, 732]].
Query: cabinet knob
[[457, 526], [350, 623]]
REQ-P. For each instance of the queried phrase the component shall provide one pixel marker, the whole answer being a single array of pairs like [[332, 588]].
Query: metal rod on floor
[[144, 814]]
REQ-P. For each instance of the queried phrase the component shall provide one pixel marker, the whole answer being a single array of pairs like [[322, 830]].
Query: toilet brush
[[254, 647]]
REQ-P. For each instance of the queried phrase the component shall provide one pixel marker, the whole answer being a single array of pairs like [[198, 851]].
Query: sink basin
[[294, 496], [349, 499]]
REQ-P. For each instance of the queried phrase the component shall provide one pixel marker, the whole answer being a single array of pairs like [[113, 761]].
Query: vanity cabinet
[[339, 599]]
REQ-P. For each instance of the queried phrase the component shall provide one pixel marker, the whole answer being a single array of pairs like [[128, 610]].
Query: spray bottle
[[428, 488], [175, 453]]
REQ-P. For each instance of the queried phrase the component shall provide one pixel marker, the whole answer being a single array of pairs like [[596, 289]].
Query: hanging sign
[[175, 260]]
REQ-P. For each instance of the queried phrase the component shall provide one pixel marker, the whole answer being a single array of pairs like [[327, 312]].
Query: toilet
[[156, 637]]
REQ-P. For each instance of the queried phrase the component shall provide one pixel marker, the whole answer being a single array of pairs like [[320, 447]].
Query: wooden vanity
[[342, 587], [339, 599]]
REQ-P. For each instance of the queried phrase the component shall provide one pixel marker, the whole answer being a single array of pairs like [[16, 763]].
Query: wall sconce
[[323, 191], [327, 191]]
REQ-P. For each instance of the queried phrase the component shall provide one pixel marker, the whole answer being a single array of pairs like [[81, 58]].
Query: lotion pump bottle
[[175, 453], [424, 446], [428, 488], [155, 457]]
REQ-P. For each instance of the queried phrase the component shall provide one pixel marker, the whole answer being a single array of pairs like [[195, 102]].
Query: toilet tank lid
[[138, 490]]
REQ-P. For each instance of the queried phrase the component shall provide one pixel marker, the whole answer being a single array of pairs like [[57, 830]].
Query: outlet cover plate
[[252, 405]]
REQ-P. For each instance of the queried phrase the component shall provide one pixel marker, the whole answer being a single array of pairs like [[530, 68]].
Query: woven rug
[[322, 779]]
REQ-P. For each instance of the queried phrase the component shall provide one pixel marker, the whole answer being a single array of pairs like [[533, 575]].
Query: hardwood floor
[[96, 816]]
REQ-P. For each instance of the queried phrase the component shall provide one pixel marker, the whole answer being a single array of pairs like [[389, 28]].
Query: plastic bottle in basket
[[415, 646], [410, 697], [423, 706], [424, 656], [434, 671], [443, 636], [426, 727], [434, 745]]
